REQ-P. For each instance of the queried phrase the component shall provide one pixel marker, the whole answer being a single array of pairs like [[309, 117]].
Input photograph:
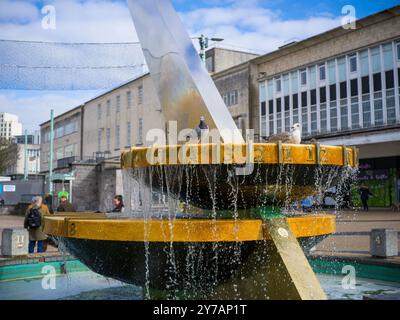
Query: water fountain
[[208, 220]]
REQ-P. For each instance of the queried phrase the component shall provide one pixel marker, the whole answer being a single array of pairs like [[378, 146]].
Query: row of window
[[129, 101], [117, 142], [62, 129], [353, 91], [231, 98]]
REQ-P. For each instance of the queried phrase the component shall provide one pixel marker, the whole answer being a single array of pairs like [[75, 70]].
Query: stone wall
[[85, 195]]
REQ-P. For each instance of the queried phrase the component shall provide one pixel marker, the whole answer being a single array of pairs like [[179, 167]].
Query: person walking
[[34, 222], [364, 195], [118, 204], [65, 205]]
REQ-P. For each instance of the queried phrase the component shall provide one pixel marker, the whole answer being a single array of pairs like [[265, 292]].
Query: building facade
[[120, 118], [67, 140], [343, 87], [9, 125]]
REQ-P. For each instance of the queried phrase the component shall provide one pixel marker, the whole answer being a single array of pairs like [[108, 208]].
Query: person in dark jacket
[[364, 195], [36, 235], [65, 205], [118, 204]]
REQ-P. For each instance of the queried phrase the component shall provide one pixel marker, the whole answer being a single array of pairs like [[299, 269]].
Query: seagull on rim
[[294, 136]]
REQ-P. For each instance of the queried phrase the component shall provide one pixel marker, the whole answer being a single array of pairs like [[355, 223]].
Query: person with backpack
[[33, 222]]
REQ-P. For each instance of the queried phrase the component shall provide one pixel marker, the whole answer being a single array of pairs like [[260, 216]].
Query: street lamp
[[203, 42]]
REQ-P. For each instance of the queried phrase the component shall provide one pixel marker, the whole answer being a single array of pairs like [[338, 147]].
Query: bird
[[202, 129], [294, 136]]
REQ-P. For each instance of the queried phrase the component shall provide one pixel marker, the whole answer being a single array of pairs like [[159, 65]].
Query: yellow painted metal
[[179, 230], [266, 153], [277, 270]]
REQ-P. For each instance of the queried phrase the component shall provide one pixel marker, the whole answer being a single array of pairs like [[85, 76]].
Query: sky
[[256, 25]]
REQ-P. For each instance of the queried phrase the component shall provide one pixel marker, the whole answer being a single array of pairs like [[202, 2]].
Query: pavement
[[352, 236], [350, 242]]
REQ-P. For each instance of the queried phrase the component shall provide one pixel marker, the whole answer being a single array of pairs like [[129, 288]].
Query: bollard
[[383, 243], [14, 242]]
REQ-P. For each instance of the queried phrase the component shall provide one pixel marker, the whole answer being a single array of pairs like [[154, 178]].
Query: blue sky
[[252, 24]]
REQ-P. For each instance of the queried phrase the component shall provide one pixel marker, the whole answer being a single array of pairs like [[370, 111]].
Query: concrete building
[[343, 87], [67, 140], [234, 87], [120, 118], [33, 160], [221, 58], [9, 125]]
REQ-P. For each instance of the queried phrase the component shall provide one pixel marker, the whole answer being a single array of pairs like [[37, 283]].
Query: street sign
[[9, 188]]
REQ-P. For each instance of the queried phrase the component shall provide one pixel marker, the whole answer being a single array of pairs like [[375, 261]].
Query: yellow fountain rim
[[98, 227], [262, 153]]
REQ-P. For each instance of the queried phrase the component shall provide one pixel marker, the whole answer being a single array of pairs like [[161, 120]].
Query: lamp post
[[203, 42], [51, 151]]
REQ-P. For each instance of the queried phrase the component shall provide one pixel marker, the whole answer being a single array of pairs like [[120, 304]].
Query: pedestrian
[[65, 205], [2, 203], [118, 204], [365, 194], [34, 222]]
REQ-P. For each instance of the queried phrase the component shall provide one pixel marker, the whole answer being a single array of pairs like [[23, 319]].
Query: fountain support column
[[283, 274]]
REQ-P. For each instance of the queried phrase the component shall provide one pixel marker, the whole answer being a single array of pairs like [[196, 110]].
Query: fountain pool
[[83, 284]]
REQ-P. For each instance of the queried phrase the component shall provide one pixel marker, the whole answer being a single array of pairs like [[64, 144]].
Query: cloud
[[17, 11], [246, 24], [252, 26], [34, 107]]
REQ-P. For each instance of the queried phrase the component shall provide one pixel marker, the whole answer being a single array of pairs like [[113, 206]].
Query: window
[[389, 79], [378, 106], [99, 111], [233, 98], [376, 59], [355, 118], [353, 63], [377, 82], [279, 115], [108, 108], [118, 104], [140, 94], [295, 108], [343, 114], [108, 137], [271, 107], [365, 85], [304, 99], [333, 116], [287, 113], [343, 90], [263, 108], [332, 92], [332, 71], [99, 137], [129, 99], [313, 94], [117, 136], [225, 97], [278, 105], [324, 118], [398, 50], [354, 87], [322, 72], [303, 77], [140, 129], [278, 85], [322, 94], [366, 111], [364, 64]]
